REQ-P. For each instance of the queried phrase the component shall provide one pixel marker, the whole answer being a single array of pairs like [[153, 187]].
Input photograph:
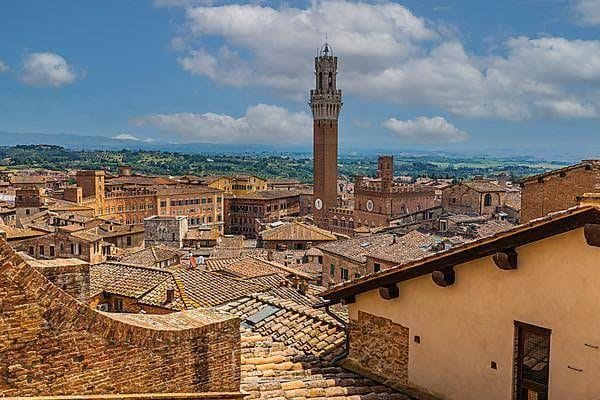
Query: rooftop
[[515, 236], [297, 231]]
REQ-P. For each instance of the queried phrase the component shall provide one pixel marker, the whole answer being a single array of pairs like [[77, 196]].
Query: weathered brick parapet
[[52, 344], [151, 396]]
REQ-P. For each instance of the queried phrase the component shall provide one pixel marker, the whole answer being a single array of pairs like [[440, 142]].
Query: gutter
[[326, 305]]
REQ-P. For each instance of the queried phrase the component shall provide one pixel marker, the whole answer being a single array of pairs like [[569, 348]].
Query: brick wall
[[52, 344], [558, 191], [379, 347]]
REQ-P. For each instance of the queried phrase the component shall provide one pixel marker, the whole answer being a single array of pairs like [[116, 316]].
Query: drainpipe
[[344, 354]]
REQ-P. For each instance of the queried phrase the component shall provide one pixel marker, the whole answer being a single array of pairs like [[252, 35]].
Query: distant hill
[[79, 142]]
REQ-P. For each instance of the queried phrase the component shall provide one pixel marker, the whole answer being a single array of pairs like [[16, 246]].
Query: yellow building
[[236, 184], [510, 316]]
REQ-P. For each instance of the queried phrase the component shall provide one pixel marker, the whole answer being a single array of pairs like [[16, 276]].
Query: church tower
[[325, 103]]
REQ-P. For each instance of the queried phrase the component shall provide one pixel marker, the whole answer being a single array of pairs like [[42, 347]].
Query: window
[[344, 274], [332, 270], [376, 267], [41, 250], [443, 225], [51, 251], [31, 250], [487, 200]]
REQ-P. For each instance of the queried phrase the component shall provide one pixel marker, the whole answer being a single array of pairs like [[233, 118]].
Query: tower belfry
[[325, 103]]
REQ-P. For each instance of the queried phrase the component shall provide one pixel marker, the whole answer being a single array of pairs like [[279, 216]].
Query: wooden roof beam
[[444, 277], [506, 260]]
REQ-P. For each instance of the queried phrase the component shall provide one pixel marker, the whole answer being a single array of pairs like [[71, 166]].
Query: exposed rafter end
[[389, 292], [592, 234], [444, 277], [506, 260]]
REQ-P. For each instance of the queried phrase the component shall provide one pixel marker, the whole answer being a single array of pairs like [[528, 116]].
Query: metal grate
[[532, 361]]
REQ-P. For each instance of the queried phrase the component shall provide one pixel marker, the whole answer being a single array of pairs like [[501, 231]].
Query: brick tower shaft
[[325, 103]]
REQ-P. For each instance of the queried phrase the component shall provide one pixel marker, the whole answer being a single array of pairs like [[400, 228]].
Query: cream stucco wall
[[466, 326]]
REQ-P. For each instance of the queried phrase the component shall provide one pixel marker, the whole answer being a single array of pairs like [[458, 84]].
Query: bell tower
[[325, 103]]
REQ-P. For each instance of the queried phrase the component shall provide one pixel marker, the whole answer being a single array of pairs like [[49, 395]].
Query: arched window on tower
[[320, 81], [330, 87]]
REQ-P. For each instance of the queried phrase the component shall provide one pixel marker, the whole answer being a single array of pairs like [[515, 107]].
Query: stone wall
[[52, 344], [558, 191], [379, 347], [73, 279], [166, 231]]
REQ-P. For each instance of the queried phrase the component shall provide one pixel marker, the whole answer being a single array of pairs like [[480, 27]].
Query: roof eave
[[484, 248]]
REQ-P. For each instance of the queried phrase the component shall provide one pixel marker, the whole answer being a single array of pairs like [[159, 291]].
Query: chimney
[[308, 245], [170, 295], [394, 238], [270, 255]]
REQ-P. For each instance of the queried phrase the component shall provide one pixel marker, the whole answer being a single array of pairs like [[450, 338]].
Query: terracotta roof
[[274, 370], [297, 231], [86, 235], [13, 233], [411, 246], [266, 195], [251, 267], [211, 288], [483, 186], [301, 327], [582, 164], [492, 227], [197, 288], [537, 229], [150, 256], [126, 280], [356, 249], [140, 180], [217, 263]]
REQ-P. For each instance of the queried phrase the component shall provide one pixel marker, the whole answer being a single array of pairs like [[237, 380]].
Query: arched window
[[320, 81], [330, 83], [487, 200]]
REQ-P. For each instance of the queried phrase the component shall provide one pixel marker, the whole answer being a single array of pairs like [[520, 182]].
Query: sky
[[460, 75]]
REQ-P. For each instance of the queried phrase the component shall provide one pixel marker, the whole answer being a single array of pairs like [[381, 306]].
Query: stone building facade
[[479, 196], [244, 213], [67, 242], [379, 199], [95, 353], [559, 189], [165, 230]]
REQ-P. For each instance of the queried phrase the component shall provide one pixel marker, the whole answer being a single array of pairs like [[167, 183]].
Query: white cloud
[[588, 11], [47, 69], [129, 136], [3, 67], [260, 124], [402, 58], [426, 130], [282, 42]]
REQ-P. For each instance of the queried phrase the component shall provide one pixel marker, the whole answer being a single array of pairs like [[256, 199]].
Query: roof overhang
[[535, 230]]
